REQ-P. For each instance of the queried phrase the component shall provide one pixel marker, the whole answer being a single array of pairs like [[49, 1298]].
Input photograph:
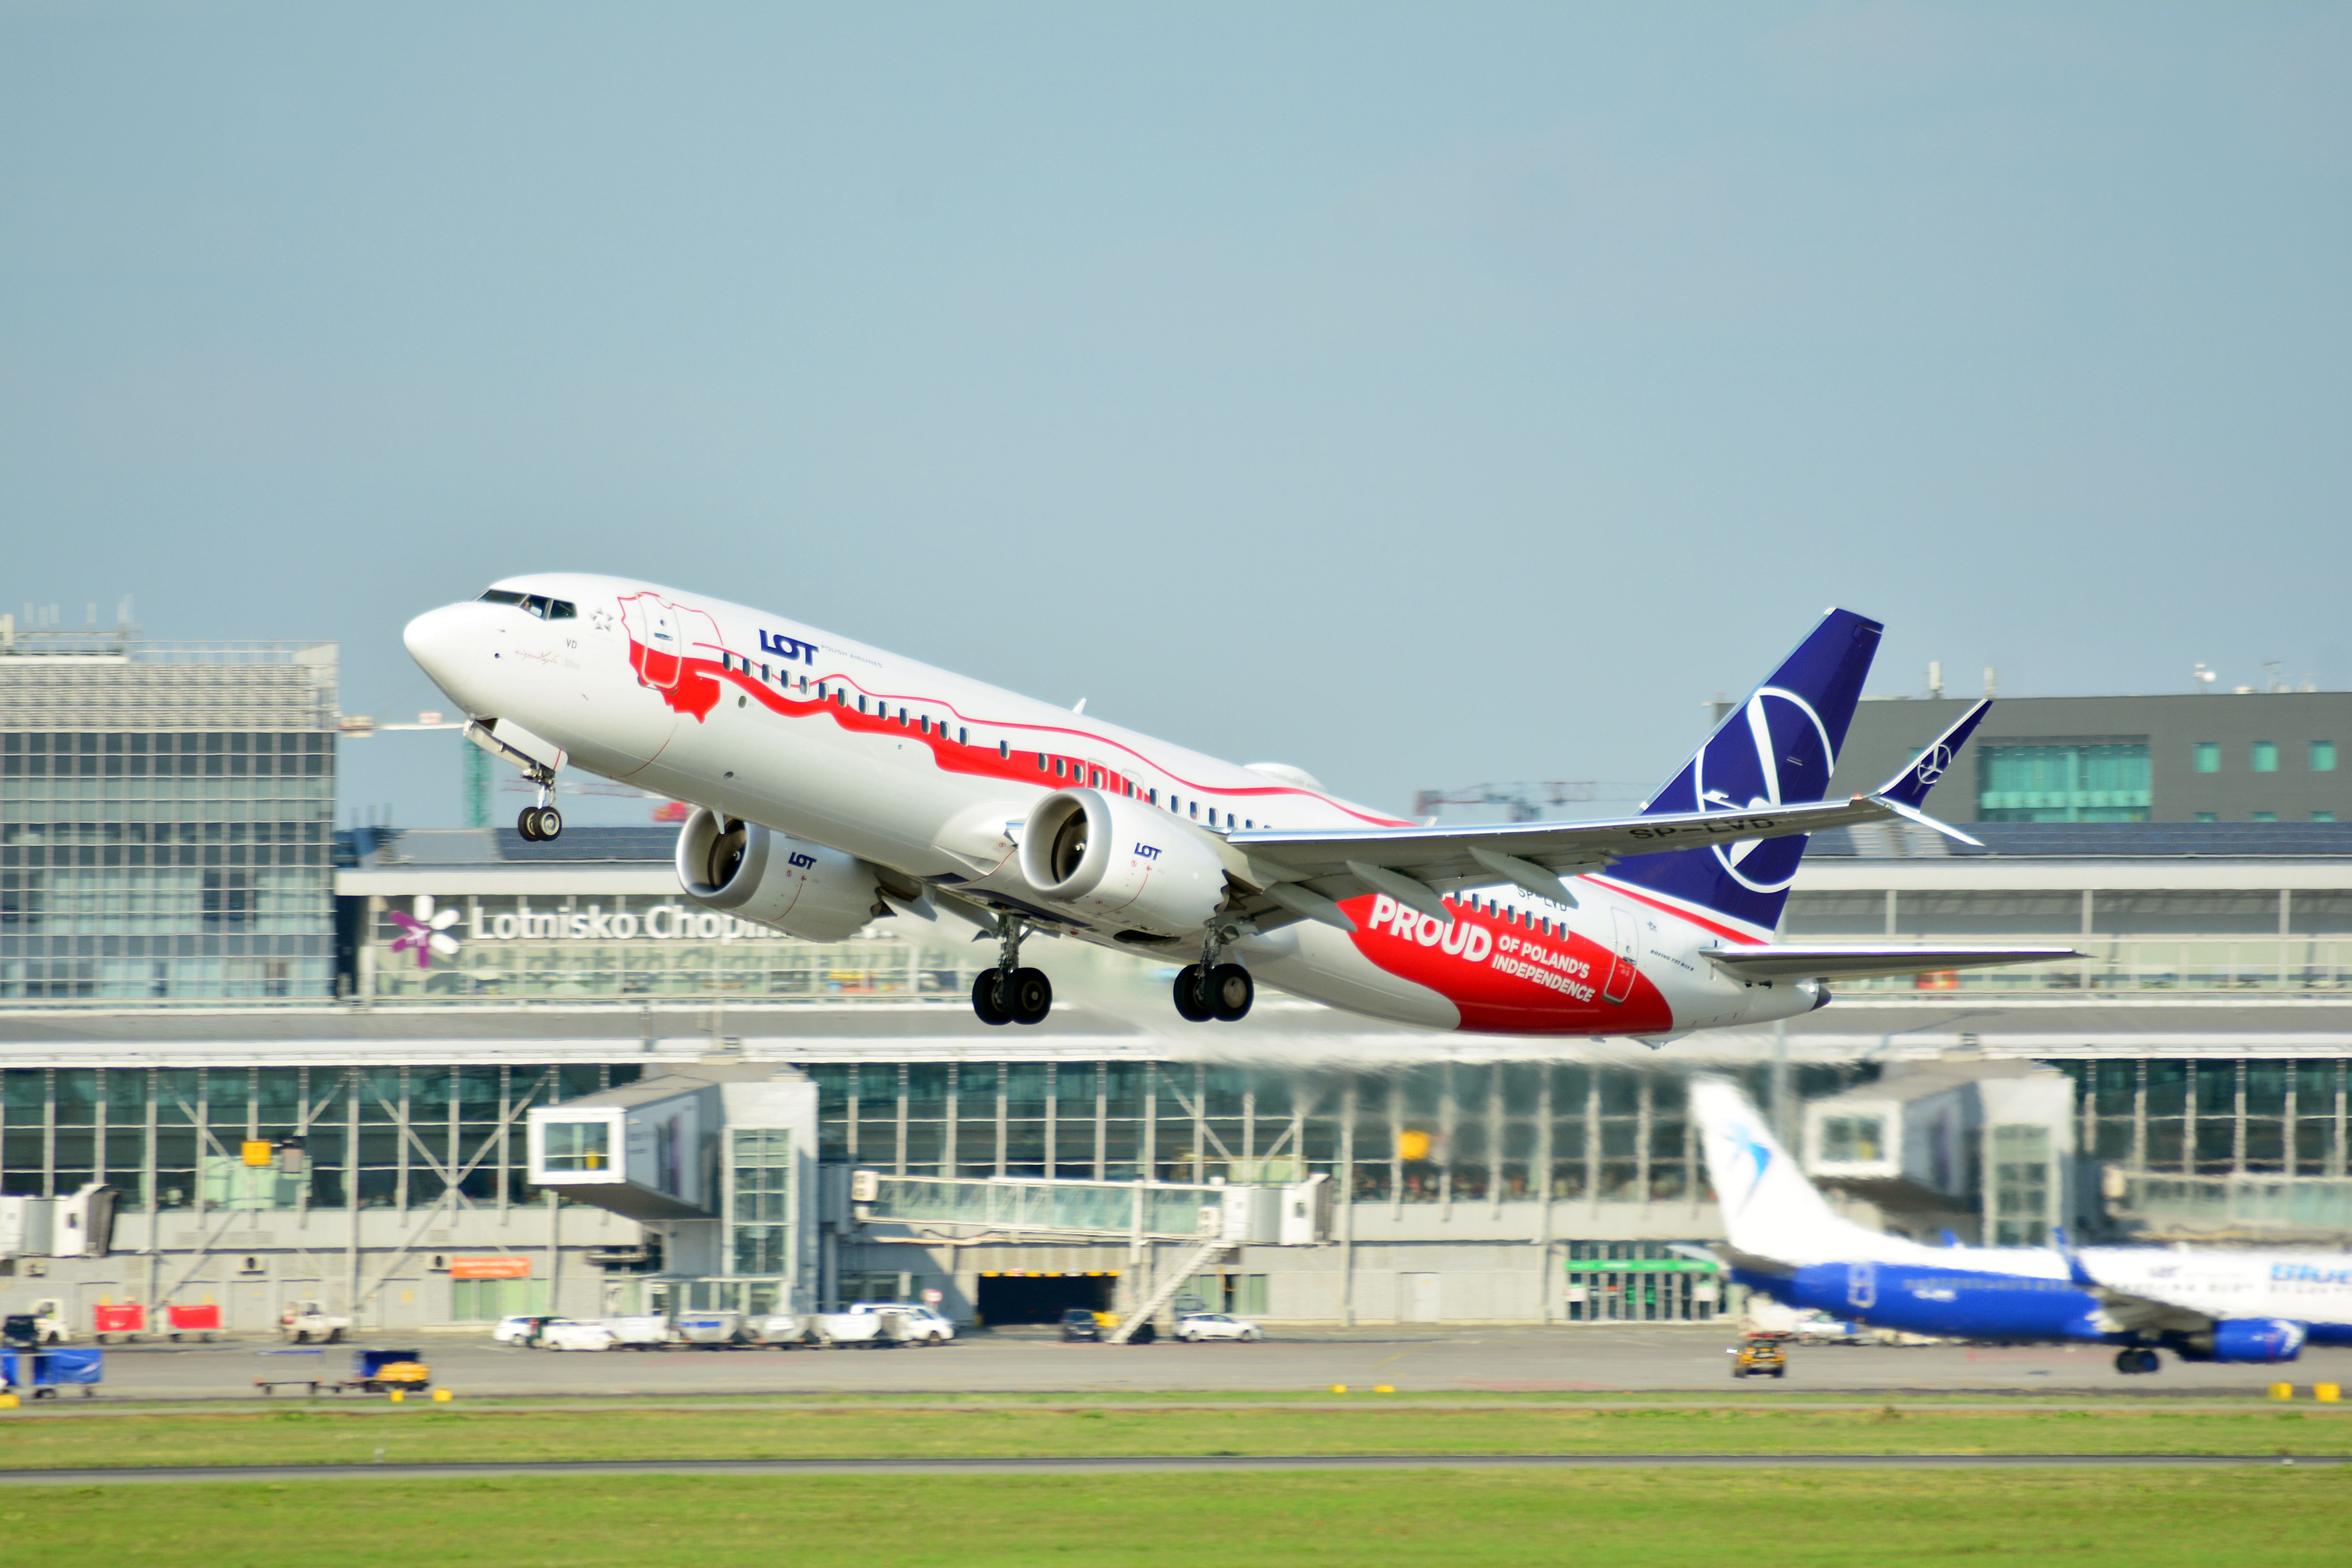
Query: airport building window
[[2086, 781], [2022, 1185], [2323, 756], [2207, 816], [760, 1200], [2264, 757], [2323, 816], [2262, 817], [2208, 756]]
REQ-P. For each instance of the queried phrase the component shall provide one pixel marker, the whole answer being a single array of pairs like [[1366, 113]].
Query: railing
[[2124, 965], [1154, 1210], [2249, 1202]]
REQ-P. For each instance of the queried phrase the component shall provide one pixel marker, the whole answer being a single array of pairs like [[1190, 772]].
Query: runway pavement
[[1465, 1361]]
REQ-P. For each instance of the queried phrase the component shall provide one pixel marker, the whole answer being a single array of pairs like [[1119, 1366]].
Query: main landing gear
[[1209, 989], [2131, 1361], [1009, 993]]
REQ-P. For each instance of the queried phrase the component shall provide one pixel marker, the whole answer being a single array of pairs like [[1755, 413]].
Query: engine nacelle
[[2255, 1340], [800, 889], [1109, 859]]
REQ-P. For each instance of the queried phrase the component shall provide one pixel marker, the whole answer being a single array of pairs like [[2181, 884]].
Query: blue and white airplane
[[1784, 1241]]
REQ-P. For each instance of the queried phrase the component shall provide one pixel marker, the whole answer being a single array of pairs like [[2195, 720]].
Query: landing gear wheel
[[1027, 996], [2151, 1362], [538, 823], [983, 998], [1229, 993], [1191, 1005], [2127, 1361]]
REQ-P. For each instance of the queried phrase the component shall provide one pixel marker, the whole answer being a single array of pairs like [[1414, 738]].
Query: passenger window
[[961, 733], [1041, 761], [1155, 797], [861, 702], [1196, 810], [1057, 767], [1096, 781]]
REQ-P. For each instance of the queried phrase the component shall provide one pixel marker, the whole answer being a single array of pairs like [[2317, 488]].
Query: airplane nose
[[436, 641]]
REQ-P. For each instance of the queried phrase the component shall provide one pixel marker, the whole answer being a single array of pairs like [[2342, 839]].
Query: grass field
[[419, 1432], [2278, 1517]]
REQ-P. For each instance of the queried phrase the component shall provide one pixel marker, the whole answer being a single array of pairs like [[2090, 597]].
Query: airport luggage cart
[[129, 1319], [42, 1373], [203, 1322], [373, 1372]]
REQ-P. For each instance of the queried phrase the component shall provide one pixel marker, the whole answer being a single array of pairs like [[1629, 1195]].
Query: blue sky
[[1422, 394]]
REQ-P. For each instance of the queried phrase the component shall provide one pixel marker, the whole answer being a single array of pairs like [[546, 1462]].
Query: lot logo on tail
[[1782, 754]]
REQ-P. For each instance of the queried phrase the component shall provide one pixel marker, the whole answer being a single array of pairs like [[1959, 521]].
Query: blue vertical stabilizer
[[1777, 748]]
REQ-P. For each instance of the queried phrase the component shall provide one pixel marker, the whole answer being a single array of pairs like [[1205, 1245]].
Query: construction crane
[[1528, 802]]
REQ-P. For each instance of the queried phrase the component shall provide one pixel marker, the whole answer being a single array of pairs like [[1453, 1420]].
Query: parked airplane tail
[[1777, 748], [1771, 1210]]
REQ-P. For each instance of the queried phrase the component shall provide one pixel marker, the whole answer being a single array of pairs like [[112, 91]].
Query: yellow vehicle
[[1759, 1358]]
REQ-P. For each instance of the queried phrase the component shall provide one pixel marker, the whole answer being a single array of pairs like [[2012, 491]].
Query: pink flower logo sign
[[425, 932]]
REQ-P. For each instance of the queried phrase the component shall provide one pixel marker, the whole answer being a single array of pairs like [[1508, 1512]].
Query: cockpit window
[[539, 605]]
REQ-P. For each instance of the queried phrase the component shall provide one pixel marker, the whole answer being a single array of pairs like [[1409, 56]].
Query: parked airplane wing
[[1828, 962]]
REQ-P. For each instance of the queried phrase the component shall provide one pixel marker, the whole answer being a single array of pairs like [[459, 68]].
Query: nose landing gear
[[1009, 993], [538, 823]]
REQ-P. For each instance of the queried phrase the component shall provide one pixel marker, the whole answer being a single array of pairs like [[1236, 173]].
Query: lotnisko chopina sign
[[657, 922]]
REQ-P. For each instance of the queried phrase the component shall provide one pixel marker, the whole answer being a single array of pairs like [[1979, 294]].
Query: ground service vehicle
[[564, 1335], [1198, 1326], [308, 1323], [926, 1325], [520, 1328], [834, 781], [1759, 1358], [1079, 1324]]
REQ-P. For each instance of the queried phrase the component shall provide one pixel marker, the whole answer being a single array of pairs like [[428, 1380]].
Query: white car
[[1195, 1326], [520, 1328], [563, 1334], [925, 1325]]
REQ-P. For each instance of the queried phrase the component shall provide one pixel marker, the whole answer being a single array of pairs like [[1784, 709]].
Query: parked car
[[1077, 1324], [925, 1325], [521, 1329], [1195, 1326], [563, 1334]]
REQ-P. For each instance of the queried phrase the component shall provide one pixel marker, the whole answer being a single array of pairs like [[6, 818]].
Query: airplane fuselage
[[933, 775]]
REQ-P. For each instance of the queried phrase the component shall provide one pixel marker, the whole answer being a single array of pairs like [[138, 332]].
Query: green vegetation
[[2278, 1517], [361, 1433]]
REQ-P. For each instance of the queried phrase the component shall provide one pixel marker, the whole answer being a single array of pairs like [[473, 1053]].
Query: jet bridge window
[[578, 1145], [1853, 1139]]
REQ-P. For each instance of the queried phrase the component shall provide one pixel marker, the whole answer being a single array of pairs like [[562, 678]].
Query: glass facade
[[2080, 780], [760, 1200], [381, 1137], [1443, 1133], [165, 823]]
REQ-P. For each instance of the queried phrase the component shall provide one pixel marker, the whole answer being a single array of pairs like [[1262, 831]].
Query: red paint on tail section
[[1507, 977]]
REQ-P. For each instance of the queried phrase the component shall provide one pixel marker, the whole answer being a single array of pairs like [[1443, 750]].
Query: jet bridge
[[1038, 1209]]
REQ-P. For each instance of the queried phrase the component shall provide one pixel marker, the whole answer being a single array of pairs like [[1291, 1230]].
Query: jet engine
[[1109, 859], [800, 889], [2246, 1340]]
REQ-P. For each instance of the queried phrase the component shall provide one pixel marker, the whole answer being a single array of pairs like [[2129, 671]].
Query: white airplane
[[835, 783], [1784, 1240]]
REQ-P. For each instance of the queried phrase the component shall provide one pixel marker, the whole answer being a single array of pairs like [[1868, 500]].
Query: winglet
[[1910, 787], [2074, 1269]]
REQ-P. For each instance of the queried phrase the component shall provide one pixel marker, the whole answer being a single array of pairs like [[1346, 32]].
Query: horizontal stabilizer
[[1829, 962]]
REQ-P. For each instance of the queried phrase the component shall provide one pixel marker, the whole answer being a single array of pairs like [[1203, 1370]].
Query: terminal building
[[788, 1125]]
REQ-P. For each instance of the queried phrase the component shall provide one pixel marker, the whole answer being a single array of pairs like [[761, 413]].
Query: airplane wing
[[1829, 962], [2129, 1312], [1306, 872]]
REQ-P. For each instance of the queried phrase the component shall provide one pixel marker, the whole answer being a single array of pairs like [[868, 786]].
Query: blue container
[[51, 1368]]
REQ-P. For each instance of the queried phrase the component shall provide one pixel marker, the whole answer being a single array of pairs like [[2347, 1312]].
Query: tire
[[1190, 1006], [527, 824], [1229, 993], [1028, 997], [984, 1005]]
